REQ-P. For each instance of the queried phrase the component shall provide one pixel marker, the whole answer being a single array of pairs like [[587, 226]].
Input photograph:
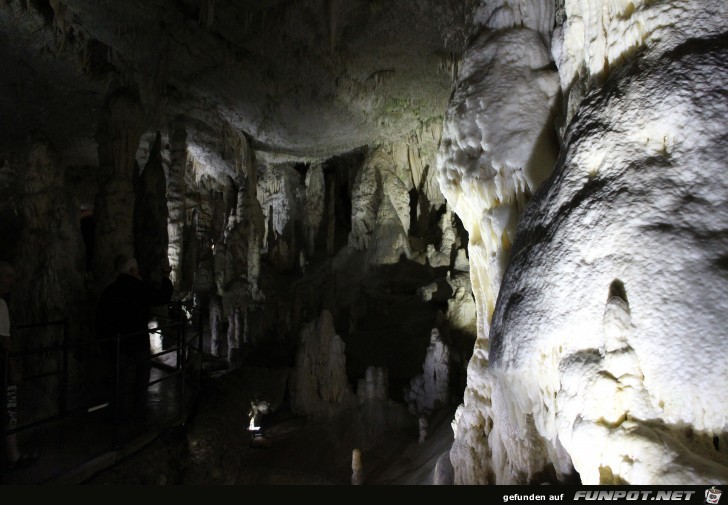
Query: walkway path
[[73, 449]]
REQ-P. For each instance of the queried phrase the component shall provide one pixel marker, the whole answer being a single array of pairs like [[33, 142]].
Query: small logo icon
[[712, 495]]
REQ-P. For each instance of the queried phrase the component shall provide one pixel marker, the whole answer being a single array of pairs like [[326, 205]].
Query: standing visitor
[[10, 377], [124, 311]]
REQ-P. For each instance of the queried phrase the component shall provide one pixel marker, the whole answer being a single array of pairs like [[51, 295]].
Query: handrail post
[[116, 396], [63, 397], [182, 332], [180, 351], [183, 394], [199, 351]]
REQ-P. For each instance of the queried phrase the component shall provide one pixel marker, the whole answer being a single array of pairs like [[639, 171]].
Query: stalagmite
[[422, 422], [374, 385], [357, 472], [431, 390], [319, 386], [216, 328]]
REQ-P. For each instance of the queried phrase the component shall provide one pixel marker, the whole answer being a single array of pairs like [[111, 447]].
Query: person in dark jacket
[[123, 313]]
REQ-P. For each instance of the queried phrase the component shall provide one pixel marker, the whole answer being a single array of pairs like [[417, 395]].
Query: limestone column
[[176, 200], [216, 331], [150, 215], [49, 270], [50, 260], [314, 206], [118, 138]]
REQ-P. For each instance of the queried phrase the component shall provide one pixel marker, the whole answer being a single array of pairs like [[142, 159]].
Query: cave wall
[[335, 257]]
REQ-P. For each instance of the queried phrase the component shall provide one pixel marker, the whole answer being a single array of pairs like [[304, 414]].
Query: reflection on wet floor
[[75, 448]]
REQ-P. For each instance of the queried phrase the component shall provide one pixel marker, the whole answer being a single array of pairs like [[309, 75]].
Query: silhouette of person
[[124, 312], [13, 458]]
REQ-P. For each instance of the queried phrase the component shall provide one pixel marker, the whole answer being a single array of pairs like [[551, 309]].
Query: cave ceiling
[[301, 78]]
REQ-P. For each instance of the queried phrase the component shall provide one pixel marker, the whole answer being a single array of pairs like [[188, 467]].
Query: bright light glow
[[257, 408], [155, 337]]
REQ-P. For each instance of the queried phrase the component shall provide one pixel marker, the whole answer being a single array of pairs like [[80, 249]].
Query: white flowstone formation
[[496, 149], [618, 264]]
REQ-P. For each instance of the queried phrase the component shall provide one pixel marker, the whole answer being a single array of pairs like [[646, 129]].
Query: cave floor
[[73, 449], [80, 450]]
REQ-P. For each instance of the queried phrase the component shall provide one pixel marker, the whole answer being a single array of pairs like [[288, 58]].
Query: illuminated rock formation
[[584, 362]]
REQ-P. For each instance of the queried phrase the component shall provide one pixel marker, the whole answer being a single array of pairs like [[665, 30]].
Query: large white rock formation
[[612, 308], [496, 149]]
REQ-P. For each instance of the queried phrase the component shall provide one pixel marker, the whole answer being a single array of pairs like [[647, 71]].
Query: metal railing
[[186, 345]]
